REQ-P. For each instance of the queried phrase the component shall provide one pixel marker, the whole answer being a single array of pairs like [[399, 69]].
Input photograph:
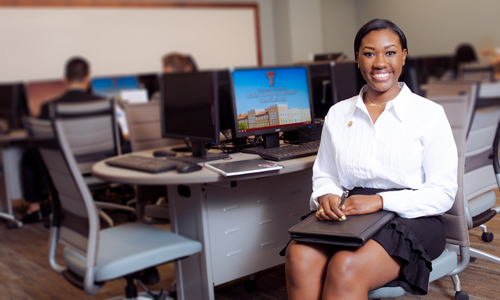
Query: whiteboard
[[37, 41]]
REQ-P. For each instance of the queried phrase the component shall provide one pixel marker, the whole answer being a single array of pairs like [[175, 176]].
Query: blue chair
[[93, 255]]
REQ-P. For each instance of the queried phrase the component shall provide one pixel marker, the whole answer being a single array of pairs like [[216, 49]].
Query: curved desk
[[242, 221]]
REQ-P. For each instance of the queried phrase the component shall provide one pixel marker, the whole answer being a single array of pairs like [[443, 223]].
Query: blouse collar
[[400, 102]]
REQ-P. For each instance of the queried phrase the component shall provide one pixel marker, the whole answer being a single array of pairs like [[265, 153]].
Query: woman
[[464, 53], [393, 150]]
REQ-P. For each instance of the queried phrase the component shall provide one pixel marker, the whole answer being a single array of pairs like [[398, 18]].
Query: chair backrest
[[76, 219], [457, 219], [482, 72], [483, 123], [145, 127], [91, 130]]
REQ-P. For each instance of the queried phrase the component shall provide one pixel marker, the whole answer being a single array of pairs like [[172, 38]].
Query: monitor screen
[[267, 101], [190, 110], [113, 85], [40, 92]]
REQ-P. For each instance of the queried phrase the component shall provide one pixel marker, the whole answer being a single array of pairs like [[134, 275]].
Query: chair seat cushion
[[441, 266], [129, 248]]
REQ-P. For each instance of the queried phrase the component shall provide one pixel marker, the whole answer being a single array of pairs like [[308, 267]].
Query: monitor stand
[[270, 140], [199, 154]]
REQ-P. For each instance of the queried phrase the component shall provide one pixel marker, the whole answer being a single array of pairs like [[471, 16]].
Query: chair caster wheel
[[250, 285], [487, 237], [13, 225], [462, 295]]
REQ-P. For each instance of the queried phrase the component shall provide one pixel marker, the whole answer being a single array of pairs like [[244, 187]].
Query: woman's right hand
[[329, 209]]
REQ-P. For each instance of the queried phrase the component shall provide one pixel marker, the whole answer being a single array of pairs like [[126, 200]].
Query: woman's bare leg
[[305, 269], [352, 273]]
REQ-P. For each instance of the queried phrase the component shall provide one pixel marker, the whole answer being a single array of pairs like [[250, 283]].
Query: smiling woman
[[392, 150], [381, 54]]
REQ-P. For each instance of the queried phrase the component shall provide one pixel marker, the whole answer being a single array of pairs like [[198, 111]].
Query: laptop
[[242, 167]]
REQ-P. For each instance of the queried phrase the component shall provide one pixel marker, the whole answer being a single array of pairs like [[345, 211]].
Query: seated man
[[77, 80]]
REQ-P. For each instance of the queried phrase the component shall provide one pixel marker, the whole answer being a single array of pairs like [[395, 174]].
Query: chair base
[[145, 296]]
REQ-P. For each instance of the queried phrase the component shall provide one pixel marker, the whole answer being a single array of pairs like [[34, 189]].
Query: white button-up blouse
[[410, 146]]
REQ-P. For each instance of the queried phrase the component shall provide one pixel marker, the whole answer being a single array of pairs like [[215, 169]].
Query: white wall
[[339, 24], [42, 59], [438, 26]]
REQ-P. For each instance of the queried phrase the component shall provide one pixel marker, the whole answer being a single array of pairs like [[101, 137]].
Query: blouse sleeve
[[440, 161], [325, 174]]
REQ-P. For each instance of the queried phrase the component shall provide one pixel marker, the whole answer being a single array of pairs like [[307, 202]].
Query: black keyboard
[[289, 151], [143, 163]]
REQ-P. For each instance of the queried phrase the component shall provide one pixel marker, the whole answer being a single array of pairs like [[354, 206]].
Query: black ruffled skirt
[[415, 241]]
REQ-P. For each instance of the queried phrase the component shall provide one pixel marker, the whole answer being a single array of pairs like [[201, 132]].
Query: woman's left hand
[[362, 204]]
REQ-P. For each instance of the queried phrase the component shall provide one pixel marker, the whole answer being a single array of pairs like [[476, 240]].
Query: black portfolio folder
[[355, 231]]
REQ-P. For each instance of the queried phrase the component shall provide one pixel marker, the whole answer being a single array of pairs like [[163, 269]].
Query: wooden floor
[[25, 273]]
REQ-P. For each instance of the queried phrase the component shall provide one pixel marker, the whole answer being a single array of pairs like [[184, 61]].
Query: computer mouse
[[163, 153], [186, 167]]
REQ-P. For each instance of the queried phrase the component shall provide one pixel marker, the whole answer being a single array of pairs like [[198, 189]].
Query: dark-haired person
[[175, 62], [393, 150], [464, 53], [77, 80]]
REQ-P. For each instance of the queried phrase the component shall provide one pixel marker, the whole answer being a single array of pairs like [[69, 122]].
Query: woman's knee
[[304, 256], [344, 268]]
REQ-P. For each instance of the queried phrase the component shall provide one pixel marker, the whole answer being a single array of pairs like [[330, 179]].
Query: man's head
[[77, 72]]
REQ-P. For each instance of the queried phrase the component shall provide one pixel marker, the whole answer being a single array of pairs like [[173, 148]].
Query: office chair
[[457, 219], [482, 169], [92, 134], [93, 255], [145, 133], [476, 71]]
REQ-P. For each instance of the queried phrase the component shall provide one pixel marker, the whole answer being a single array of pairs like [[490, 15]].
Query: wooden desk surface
[[121, 175]]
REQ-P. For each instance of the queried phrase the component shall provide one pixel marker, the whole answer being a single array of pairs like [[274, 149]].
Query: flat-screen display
[[271, 100], [190, 110], [113, 85]]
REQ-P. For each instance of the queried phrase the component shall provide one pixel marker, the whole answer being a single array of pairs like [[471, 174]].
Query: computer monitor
[[226, 120], [150, 82], [12, 105], [111, 86], [267, 101], [40, 92], [433, 66], [321, 88], [346, 80], [190, 111], [328, 56], [410, 74]]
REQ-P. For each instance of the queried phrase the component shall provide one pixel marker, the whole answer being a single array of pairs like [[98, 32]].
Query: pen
[[342, 200]]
